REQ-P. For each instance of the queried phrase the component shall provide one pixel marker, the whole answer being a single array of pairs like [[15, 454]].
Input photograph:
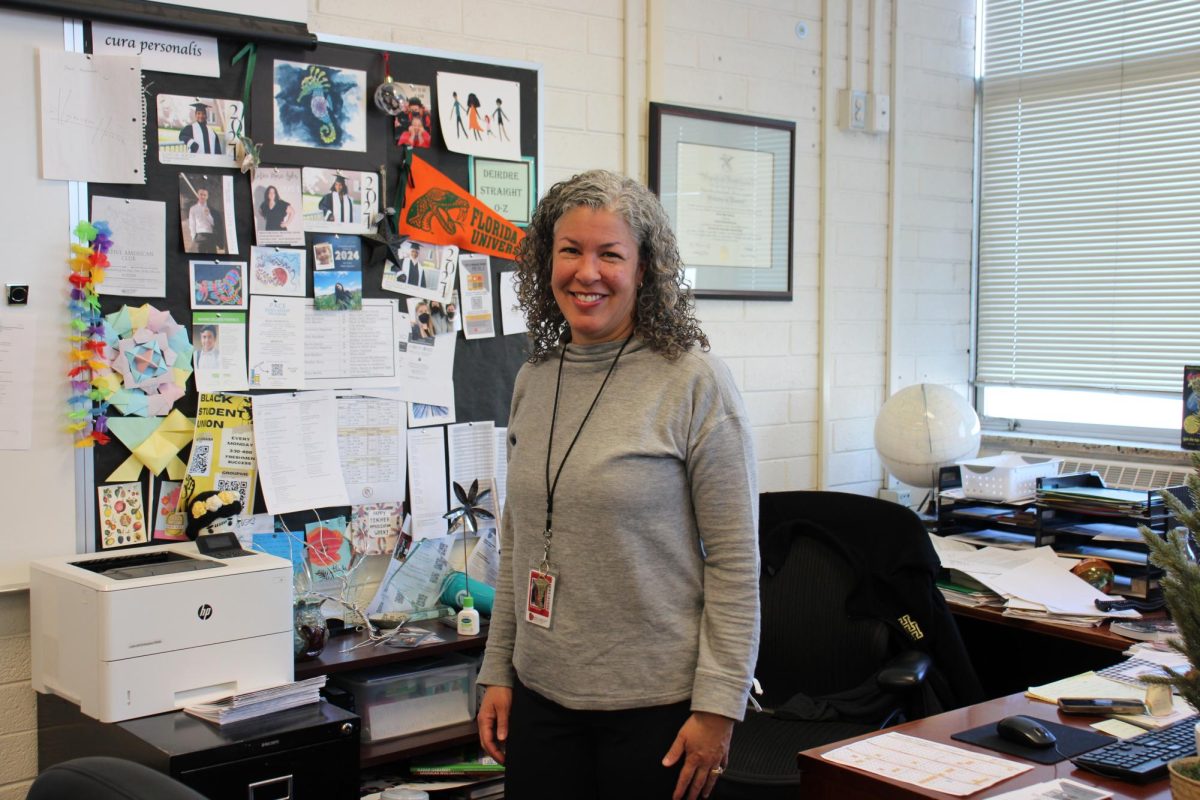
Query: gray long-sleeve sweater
[[655, 535]]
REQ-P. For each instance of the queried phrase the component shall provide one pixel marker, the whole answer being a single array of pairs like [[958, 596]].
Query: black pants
[[557, 753]]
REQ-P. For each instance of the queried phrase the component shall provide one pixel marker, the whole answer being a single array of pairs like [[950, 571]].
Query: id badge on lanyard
[[539, 608]]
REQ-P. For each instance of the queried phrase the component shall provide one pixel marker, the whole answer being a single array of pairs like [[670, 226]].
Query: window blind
[[1089, 233]]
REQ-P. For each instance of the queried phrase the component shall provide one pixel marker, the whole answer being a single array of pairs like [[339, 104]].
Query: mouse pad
[[1071, 742]]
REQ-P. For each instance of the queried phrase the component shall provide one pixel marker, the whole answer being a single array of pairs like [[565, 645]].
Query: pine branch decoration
[[1175, 555]]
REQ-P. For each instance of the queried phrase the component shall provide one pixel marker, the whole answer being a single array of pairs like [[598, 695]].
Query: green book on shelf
[[467, 763], [458, 769]]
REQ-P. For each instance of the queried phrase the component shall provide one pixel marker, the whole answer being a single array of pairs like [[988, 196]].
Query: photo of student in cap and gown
[[199, 136], [337, 205], [409, 268]]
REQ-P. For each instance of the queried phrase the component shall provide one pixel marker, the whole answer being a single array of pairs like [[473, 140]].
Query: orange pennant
[[442, 212]]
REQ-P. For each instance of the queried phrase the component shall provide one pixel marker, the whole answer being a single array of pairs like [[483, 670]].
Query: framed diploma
[[726, 183]]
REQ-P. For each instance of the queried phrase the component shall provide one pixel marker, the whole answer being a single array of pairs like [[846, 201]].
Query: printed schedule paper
[[371, 441], [930, 765], [427, 481], [295, 434], [352, 349]]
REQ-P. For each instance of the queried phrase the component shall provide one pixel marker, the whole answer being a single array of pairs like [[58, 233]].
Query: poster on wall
[[1190, 434], [480, 116], [320, 106], [222, 457]]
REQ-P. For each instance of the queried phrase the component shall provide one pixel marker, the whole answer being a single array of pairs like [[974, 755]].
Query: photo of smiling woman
[[625, 627]]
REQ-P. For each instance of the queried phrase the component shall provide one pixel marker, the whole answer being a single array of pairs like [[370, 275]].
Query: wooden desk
[[1011, 654], [1100, 637], [825, 780]]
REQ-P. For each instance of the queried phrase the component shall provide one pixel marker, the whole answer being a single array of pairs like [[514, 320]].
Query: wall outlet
[[900, 496], [879, 113], [852, 110]]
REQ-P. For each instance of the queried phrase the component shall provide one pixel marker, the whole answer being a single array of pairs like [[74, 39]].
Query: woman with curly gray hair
[[625, 627]]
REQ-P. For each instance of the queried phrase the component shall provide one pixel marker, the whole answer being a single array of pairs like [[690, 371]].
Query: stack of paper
[[994, 537], [1091, 684], [1034, 583], [255, 704], [1099, 500], [963, 590]]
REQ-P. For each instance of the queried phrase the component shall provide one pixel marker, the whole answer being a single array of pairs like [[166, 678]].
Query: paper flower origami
[[152, 443], [151, 359]]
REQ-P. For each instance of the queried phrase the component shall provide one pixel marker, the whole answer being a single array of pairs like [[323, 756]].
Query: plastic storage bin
[[1006, 477], [402, 699]]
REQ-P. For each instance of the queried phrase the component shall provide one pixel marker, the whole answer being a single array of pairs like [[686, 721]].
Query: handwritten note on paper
[[93, 119], [931, 765]]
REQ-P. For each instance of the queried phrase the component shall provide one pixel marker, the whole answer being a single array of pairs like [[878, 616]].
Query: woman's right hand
[[493, 720]]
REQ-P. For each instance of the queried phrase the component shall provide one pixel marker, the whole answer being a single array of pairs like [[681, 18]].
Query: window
[[1089, 215]]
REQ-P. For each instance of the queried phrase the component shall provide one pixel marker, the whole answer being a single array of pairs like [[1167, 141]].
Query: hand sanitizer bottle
[[468, 618]]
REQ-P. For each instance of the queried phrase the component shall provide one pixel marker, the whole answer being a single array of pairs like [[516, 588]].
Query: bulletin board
[[484, 369]]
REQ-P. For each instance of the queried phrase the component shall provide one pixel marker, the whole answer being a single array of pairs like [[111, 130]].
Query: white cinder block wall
[[882, 228]]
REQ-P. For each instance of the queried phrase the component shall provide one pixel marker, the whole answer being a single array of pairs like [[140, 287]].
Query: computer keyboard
[[1144, 757]]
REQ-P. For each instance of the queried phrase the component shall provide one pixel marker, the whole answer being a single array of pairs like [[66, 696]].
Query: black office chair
[[855, 635], [104, 778]]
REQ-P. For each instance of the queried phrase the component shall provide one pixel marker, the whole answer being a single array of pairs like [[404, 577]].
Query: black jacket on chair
[[847, 588], [105, 778]]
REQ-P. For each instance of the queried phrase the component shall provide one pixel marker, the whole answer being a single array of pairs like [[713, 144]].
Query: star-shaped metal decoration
[[380, 223], [470, 509]]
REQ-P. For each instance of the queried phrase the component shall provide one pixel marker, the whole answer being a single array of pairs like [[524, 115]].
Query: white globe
[[923, 427]]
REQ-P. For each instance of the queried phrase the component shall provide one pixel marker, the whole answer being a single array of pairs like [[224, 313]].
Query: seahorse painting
[[320, 106], [316, 83]]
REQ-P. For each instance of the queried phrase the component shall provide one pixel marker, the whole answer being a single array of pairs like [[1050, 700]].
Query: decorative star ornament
[[466, 514]]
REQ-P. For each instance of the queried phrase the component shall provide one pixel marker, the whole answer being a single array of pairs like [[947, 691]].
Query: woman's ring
[[717, 770]]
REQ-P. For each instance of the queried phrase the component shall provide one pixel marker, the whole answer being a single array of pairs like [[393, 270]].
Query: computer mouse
[[1026, 731]]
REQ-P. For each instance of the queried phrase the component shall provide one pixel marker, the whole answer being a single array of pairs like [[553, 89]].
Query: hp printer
[[158, 628]]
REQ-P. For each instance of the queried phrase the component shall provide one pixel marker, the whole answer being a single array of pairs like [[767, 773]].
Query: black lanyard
[[552, 487]]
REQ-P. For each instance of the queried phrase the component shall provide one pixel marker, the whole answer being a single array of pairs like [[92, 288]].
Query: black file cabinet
[[307, 753]]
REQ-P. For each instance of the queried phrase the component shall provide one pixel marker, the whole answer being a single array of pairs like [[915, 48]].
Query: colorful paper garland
[[87, 410]]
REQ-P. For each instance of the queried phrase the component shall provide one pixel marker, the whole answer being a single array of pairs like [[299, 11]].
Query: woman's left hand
[[703, 742]]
